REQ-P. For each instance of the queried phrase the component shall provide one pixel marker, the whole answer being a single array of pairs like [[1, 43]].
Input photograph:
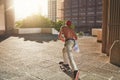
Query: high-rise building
[[60, 12], [85, 14], [52, 9]]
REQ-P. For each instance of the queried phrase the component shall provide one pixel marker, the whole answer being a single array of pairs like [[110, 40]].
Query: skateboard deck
[[66, 70]]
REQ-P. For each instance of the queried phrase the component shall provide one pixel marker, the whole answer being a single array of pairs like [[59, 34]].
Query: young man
[[68, 36]]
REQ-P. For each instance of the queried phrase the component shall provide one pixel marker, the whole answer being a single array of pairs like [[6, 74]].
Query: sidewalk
[[36, 57]]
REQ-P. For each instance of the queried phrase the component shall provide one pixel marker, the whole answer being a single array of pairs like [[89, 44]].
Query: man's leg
[[69, 46], [71, 59], [65, 56]]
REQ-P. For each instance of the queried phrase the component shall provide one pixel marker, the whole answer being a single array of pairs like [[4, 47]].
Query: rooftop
[[36, 57]]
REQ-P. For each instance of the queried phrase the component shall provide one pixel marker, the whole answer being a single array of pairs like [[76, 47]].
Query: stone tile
[[42, 73], [104, 72], [85, 67], [25, 77], [2, 78], [115, 77], [7, 71], [46, 64], [59, 76], [55, 68], [111, 67], [30, 57], [93, 77]]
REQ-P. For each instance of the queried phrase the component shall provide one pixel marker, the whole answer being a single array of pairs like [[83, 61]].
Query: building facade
[[52, 10], [60, 12], [85, 14], [2, 17], [6, 16], [111, 24]]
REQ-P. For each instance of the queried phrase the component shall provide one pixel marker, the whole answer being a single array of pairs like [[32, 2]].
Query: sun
[[24, 8]]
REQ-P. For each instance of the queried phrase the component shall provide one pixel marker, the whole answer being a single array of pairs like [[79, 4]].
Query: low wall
[[115, 53], [97, 32], [35, 30], [99, 35]]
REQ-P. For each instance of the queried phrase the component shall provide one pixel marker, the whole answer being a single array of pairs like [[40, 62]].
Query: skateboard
[[66, 70]]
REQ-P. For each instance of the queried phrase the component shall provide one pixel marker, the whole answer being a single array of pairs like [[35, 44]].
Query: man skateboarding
[[68, 36]]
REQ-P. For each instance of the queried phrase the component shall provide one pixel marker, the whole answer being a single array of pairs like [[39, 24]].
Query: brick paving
[[36, 57]]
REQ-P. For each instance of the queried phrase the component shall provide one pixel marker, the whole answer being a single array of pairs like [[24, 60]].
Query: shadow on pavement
[[38, 37], [3, 37]]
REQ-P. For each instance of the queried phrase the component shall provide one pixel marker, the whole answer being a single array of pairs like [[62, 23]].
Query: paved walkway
[[36, 57]]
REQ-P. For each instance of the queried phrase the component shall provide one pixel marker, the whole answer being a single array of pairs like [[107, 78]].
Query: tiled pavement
[[36, 57]]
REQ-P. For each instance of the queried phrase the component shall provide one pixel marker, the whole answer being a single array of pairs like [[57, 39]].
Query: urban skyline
[[84, 14]]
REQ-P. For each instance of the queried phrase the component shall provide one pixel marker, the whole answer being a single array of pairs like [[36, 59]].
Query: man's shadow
[[3, 37]]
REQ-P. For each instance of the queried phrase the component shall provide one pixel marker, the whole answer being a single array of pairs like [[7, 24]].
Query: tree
[[34, 21], [19, 23]]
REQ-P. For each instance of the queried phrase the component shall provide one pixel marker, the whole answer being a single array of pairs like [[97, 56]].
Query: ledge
[[35, 30]]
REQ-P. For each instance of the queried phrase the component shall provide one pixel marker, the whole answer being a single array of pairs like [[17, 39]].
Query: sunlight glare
[[24, 8]]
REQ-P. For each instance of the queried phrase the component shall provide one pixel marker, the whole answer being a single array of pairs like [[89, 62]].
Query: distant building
[[60, 12], [52, 9], [85, 14]]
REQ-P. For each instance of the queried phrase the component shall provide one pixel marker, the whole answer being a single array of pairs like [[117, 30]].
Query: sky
[[24, 8]]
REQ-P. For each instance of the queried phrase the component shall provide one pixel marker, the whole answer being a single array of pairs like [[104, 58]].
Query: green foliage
[[80, 34], [57, 25], [34, 21], [72, 26], [38, 21], [18, 24]]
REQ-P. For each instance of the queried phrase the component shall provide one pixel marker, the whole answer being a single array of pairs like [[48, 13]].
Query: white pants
[[67, 54]]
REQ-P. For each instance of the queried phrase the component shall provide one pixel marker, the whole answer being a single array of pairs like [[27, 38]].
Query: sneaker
[[76, 75]]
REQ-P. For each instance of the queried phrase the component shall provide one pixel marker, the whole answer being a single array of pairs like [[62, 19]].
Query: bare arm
[[60, 35], [75, 36]]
